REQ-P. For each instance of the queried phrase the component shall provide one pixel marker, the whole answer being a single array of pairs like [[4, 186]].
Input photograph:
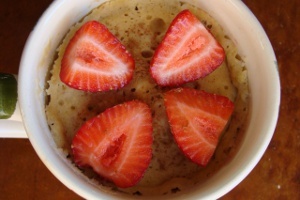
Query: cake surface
[[140, 29]]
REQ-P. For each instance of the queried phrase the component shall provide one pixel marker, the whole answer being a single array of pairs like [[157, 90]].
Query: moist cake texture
[[141, 29]]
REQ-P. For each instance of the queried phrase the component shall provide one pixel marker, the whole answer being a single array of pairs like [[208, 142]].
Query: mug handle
[[11, 125]]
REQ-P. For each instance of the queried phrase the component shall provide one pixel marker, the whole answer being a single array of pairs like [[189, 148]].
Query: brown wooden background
[[277, 176]]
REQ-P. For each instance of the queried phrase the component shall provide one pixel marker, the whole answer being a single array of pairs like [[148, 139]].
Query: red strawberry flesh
[[187, 52], [95, 60], [117, 143], [197, 119]]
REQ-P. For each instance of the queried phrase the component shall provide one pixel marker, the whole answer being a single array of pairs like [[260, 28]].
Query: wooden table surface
[[277, 175]]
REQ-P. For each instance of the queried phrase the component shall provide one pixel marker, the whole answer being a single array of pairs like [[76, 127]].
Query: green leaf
[[8, 95]]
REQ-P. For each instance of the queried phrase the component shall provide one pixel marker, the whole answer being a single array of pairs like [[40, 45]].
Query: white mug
[[238, 22]]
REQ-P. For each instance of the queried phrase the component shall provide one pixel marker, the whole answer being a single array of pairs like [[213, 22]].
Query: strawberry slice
[[197, 119], [95, 60], [187, 52], [117, 143]]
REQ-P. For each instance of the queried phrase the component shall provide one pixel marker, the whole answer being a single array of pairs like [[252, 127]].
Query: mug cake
[[141, 31]]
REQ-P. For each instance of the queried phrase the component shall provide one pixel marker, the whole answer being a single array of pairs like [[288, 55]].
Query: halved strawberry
[[117, 143], [197, 119], [187, 52], [95, 60]]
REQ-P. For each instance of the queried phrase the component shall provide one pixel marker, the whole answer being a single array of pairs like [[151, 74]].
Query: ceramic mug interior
[[238, 22]]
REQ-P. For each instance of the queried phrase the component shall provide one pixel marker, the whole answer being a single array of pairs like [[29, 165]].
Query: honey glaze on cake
[[141, 30]]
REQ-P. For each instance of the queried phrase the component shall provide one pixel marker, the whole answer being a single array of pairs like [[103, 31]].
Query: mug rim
[[32, 107]]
